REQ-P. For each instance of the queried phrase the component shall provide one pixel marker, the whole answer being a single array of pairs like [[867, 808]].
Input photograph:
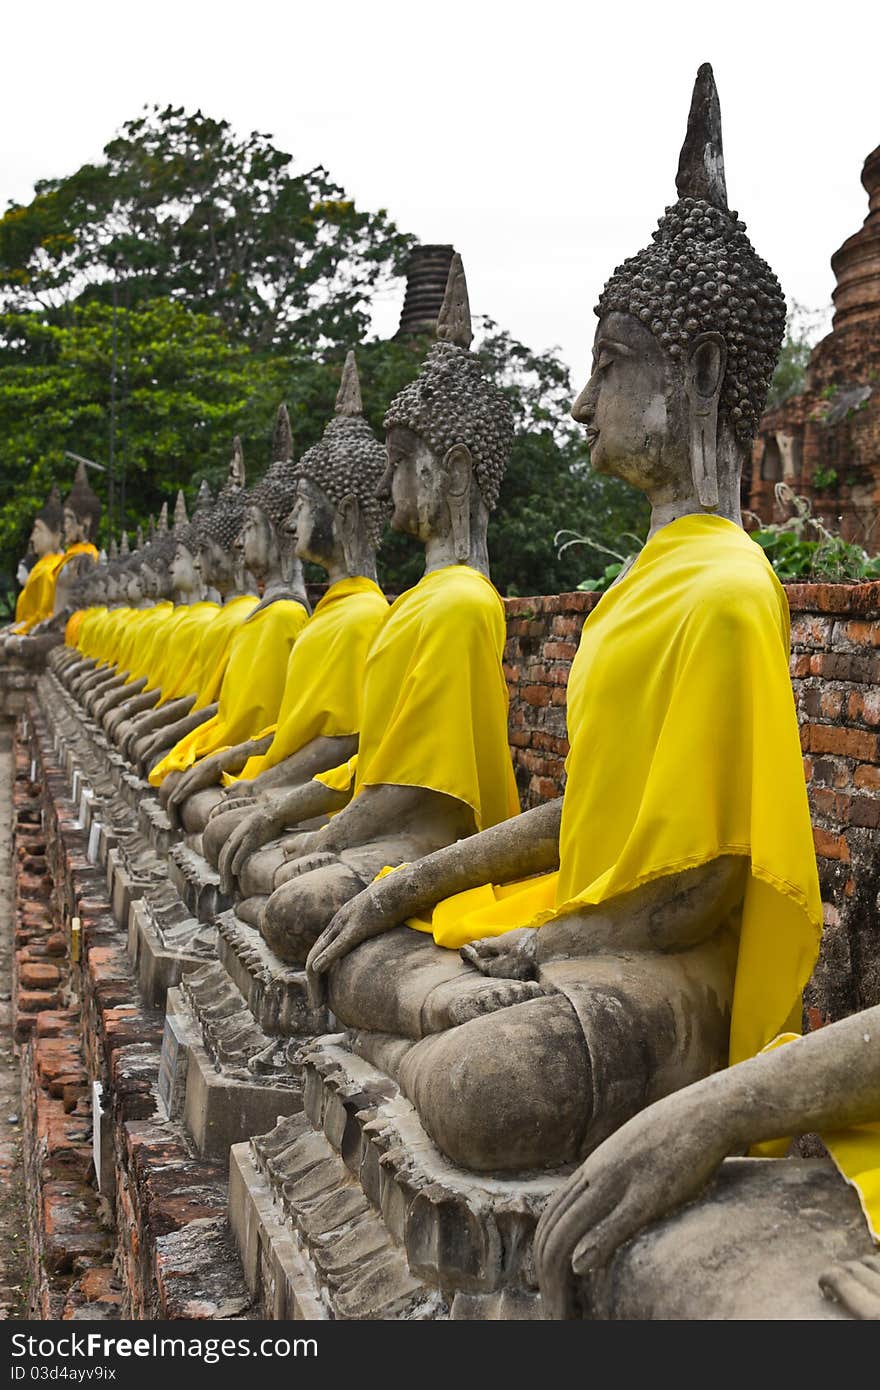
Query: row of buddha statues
[[607, 986]]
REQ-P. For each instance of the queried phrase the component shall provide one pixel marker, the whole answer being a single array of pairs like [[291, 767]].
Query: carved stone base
[[197, 882], [221, 1105], [351, 1208]]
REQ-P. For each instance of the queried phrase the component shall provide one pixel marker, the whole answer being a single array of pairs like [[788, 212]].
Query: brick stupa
[[826, 442]]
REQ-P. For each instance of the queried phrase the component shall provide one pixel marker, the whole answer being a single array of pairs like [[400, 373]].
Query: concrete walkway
[[13, 1217]]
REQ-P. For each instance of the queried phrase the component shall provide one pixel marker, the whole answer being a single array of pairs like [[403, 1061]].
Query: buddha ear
[[703, 379], [348, 514], [459, 469]]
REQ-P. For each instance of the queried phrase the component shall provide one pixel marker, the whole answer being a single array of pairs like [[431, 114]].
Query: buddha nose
[[584, 407], [383, 487]]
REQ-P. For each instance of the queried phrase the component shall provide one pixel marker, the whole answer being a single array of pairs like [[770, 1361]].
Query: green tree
[[181, 208], [802, 329]]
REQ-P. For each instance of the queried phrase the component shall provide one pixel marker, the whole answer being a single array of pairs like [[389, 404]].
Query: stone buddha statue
[[192, 612], [93, 676], [433, 762], [133, 690], [254, 679], [222, 571], [336, 523], [660, 1223], [82, 514], [684, 917], [174, 658], [36, 601]]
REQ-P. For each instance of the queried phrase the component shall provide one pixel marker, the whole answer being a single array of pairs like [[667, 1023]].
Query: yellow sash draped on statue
[[173, 651], [80, 548], [435, 697], [178, 672], [323, 692], [79, 624], [684, 747], [252, 687], [145, 629], [37, 599], [213, 651]]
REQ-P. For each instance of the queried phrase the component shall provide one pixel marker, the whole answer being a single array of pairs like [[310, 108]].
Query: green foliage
[[793, 557], [221, 282], [179, 208], [802, 330], [606, 578], [824, 477], [802, 547]]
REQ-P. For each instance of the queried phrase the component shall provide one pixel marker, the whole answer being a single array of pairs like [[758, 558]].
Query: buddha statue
[[132, 690], [174, 660], [683, 919], [254, 679], [82, 514], [433, 762], [36, 601], [658, 1223], [336, 523], [222, 571]]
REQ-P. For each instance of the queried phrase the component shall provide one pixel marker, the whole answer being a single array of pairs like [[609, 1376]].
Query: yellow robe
[[684, 747], [323, 691], [213, 650], [177, 673], [252, 687], [435, 697], [147, 630], [37, 599]]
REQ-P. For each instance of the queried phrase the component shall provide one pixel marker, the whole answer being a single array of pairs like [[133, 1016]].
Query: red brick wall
[[835, 667]]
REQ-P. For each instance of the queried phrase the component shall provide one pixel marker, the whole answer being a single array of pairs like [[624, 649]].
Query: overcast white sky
[[541, 138]]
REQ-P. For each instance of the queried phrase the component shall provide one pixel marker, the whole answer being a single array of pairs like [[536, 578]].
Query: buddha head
[[263, 542], [448, 437], [48, 526], [82, 510], [185, 571], [688, 336], [337, 518], [217, 527]]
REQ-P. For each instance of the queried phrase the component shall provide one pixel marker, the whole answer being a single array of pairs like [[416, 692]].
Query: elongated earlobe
[[459, 470], [348, 515], [704, 375]]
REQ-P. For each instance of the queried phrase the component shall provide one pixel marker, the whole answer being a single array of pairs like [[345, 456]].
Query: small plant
[[824, 478], [802, 547], [610, 573]]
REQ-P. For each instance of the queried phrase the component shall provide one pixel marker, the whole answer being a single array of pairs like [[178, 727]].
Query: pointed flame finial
[[180, 516], [348, 397], [282, 439], [701, 163], [124, 547], [236, 476], [454, 319]]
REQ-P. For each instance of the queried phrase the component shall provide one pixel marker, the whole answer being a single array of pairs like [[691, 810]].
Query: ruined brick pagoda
[[825, 442]]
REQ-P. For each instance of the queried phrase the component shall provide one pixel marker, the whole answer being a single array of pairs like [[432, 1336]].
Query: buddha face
[[310, 523], [635, 409], [414, 480], [73, 529], [184, 574], [256, 539], [134, 588], [43, 540]]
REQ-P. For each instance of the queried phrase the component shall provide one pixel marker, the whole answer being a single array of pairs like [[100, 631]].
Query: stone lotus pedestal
[[349, 1210]]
